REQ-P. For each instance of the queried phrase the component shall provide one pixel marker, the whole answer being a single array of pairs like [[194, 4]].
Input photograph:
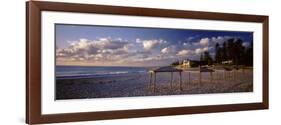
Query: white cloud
[[165, 50], [168, 50], [201, 50], [184, 52], [195, 44], [204, 41], [108, 51], [218, 39], [138, 40], [190, 38], [246, 44], [185, 44], [150, 44], [101, 49]]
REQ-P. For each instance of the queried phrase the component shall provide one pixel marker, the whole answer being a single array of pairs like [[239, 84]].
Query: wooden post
[[230, 75], [188, 77], [234, 76], [227, 75], [220, 76], [150, 80], [180, 82], [171, 80], [154, 86], [199, 77], [217, 75], [239, 74], [211, 77], [224, 75], [233, 73]]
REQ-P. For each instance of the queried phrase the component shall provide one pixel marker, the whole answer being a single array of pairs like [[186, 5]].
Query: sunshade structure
[[168, 69], [204, 69], [227, 73], [200, 70], [230, 72]]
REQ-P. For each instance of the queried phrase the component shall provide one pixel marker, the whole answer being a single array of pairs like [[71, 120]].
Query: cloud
[[106, 43], [219, 39], [120, 52], [204, 41], [151, 44], [201, 50], [169, 50], [246, 44], [162, 60], [138, 40], [211, 41], [100, 49], [190, 38], [184, 52]]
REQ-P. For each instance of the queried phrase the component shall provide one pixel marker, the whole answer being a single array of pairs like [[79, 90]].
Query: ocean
[[66, 72]]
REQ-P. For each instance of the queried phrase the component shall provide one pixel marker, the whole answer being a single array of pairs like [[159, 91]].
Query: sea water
[[63, 72]]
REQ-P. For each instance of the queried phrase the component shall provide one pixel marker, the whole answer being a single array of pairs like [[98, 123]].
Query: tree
[[176, 63], [248, 57], [233, 49], [201, 60], [201, 57], [207, 58], [239, 52], [218, 56], [224, 52]]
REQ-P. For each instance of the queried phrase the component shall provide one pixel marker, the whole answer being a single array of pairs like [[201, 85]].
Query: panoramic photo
[[115, 61]]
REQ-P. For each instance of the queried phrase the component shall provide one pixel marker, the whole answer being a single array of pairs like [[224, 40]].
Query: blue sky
[[135, 46]]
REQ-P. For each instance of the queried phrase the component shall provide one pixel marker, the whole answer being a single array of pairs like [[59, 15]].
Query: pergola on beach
[[170, 69]]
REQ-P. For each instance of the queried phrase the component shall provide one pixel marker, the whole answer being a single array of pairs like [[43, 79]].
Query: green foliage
[[176, 63], [230, 50], [206, 59], [194, 63], [233, 49]]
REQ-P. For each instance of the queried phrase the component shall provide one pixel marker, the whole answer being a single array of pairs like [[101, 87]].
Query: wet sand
[[130, 85]]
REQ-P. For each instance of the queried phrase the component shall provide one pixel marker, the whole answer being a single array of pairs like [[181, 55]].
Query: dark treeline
[[206, 59], [233, 50]]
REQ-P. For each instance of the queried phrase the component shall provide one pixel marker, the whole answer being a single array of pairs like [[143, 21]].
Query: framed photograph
[[94, 62]]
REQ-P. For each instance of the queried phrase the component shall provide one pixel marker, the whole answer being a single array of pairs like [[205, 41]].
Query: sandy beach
[[137, 84]]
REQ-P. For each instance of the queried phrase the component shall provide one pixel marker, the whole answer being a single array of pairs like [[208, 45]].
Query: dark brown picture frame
[[33, 61]]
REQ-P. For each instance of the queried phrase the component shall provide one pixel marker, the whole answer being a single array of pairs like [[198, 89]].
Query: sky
[[91, 45]]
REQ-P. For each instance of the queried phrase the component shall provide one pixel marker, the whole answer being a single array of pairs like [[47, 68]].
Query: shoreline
[[132, 85], [95, 76]]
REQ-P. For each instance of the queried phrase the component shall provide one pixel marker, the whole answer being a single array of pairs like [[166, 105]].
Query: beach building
[[186, 63], [227, 62]]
